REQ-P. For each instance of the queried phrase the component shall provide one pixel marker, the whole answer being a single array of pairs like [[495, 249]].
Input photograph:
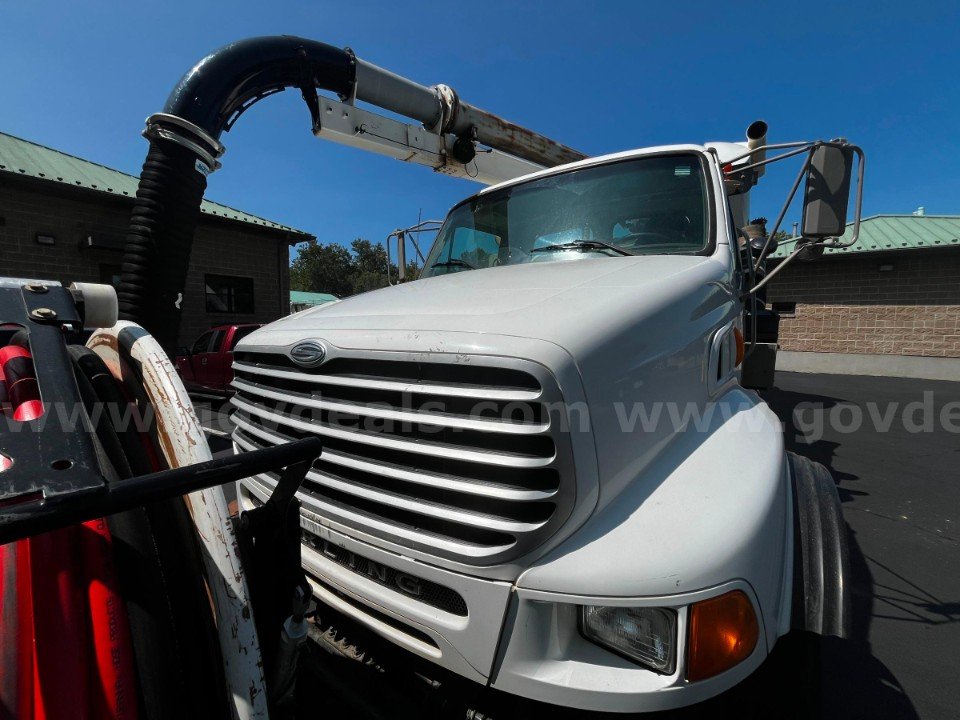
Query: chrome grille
[[461, 456]]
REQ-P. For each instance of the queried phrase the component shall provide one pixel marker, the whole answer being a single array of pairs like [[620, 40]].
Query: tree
[[334, 269], [323, 268], [369, 266]]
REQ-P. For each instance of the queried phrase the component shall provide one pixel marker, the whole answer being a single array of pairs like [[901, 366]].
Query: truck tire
[[821, 588], [796, 681]]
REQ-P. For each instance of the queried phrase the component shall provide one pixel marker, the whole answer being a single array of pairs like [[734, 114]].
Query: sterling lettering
[[379, 573]]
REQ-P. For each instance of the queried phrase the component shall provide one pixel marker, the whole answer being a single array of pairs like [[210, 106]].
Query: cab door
[[188, 360], [207, 362]]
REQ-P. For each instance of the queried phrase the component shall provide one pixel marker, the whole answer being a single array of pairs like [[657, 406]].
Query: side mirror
[[183, 350], [827, 192]]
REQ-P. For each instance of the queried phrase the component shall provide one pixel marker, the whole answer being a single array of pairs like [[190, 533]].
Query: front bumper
[[519, 641], [397, 596]]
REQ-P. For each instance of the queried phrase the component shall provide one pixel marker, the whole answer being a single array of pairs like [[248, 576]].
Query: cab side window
[[202, 343]]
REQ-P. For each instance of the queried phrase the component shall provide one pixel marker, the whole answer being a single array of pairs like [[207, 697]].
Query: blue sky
[[601, 77]]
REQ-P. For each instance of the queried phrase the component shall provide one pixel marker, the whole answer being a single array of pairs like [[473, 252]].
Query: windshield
[[646, 206]]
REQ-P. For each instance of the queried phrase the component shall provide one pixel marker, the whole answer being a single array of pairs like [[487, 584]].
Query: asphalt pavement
[[893, 447]]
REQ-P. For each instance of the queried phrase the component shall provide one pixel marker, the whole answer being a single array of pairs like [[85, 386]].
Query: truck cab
[[206, 366], [541, 470]]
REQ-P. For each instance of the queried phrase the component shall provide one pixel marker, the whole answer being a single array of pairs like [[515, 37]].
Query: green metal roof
[[310, 298], [28, 159], [884, 233]]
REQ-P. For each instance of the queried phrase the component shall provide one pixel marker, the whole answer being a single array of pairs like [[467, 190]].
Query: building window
[[786, 309], [227, 294], [110, 274]]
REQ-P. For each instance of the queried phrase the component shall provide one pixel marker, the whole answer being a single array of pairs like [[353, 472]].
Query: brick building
[[889, 304], [64, 218]]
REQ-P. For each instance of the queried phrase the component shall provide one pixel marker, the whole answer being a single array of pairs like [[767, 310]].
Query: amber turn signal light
[[723, 632]]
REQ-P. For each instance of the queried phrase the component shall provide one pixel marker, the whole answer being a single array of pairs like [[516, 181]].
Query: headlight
[[645, 635]]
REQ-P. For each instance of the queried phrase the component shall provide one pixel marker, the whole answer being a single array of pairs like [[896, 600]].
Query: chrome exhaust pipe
[[757, 137]]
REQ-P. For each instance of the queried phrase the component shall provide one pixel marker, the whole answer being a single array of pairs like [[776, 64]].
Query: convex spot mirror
[[827, 192], [757, 243]]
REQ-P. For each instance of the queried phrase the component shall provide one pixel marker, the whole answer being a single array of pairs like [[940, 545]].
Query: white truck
[[541, 470]]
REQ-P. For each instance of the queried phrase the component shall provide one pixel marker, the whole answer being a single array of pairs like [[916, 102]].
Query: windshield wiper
[[583, 245], [454, 262]]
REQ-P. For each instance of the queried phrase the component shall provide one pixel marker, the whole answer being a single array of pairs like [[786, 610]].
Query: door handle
[[203, 361]]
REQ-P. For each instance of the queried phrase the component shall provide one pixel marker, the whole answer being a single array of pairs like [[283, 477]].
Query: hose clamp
[[449, 103], [159, 127]]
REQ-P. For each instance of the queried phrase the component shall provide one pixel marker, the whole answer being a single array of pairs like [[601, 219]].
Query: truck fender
[[821, 583]]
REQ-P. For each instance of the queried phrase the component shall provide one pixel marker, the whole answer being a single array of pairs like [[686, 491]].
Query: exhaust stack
[[757, 137]]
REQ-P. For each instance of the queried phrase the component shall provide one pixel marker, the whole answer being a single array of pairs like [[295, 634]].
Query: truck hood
[[546, 301], [614, 332]]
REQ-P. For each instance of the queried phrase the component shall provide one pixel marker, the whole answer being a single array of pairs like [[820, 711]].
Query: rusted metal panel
[[441, 111], [513, 139]]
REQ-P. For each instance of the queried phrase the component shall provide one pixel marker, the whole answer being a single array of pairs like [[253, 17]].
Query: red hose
[[61, 647], [66, 647], [20, 381], [67, 654], [16, 630], [112, 684]]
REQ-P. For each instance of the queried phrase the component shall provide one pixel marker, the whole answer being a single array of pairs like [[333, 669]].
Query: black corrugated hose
[[157, 250], [201, 107]]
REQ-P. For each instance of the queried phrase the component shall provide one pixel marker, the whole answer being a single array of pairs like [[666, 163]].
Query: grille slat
[[479, 393], [386, 413], [424, 454], [383, 440], [423, 477], [400, 502], [407, 504]]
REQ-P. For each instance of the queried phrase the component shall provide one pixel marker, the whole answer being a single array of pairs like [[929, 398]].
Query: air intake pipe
[[185, 147]]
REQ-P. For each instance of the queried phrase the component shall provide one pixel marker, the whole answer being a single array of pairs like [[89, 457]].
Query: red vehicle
[[206, 365]]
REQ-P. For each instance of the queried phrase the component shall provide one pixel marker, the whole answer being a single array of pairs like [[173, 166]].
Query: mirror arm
[[856, 221], [770, 275], [802, 144], [389, 259], [804, 147], [786, 206]]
